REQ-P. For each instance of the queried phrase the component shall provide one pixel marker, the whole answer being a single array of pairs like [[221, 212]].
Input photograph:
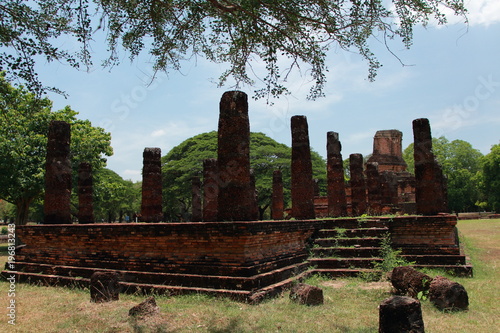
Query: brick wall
[[224, 249], [429, 234], [232, 249]]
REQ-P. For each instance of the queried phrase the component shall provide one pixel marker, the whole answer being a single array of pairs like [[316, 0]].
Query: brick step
[[353, 223], [430, 250], [195, 268], [346, 252], [436, 259], [188, 280], [253, 296], [277, 288], [144, 288], [336, 242], [126, 287], [352, 233], [334, 263]]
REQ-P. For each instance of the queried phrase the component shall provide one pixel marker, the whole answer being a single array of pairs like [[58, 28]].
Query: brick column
[[358, 185], [85, 194], [197, 213], [151, 207], [389, 191], [430, 191], [210, 189], [277, 204], [302, 181], [337, 202], [57, 206], [236, 200], [373, 185]]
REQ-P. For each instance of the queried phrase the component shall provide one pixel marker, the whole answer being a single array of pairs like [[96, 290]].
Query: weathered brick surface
[[431, 190], [236, 199], [85, 194], [358, 185], [387, 151], [337, 202], [277, 204], [374, 191], [427, 234], [389, 196], [398, 185], [57, 206], [151, 206], [213, 248], [301, 171], [401, 314]]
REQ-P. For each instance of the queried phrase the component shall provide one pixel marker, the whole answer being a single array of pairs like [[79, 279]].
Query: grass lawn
[[350, 304]]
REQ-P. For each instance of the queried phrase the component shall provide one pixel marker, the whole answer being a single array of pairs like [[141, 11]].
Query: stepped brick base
[[242, 260]]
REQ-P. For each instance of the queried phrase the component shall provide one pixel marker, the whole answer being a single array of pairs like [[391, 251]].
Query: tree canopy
[[243, 35], [461, 164], [114, 197], [185, 161], [24, 127], [490, 181]]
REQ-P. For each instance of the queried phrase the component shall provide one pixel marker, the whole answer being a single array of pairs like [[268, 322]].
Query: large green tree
[[114, 197], [24, 123], [7, 211], [461, 164], [234, 33], [490, 181], [185, 161]]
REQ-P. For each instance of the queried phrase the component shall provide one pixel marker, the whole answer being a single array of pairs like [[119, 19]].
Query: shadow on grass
[[234, 325]]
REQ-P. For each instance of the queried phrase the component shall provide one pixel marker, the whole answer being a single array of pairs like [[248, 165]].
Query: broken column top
[[152, 153], [333, 145], [388, 151]]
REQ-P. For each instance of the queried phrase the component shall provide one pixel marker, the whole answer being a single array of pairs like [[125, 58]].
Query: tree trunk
[[262, 210], [22, 210]]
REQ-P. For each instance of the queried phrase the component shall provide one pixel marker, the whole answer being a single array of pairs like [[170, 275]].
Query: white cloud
[[158, 133], [479, 12], [483, 12]]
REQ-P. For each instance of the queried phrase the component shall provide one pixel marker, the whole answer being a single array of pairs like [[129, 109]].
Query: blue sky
[[452, 77]]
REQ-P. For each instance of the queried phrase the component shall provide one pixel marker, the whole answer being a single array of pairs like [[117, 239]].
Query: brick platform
[[242, 260]]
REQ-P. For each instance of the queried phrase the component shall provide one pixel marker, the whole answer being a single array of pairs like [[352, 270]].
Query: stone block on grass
[[448, 295], [306, 294], [400, 314], [408, 281], [146, 308]]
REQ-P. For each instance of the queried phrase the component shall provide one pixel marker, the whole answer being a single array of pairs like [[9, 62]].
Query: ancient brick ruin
[[277, 201], [302, 180], [431, 191], [357, 185], [398, 185], [337, 203], [57, 207], [236, 198], [151, 206], [230, 253]]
